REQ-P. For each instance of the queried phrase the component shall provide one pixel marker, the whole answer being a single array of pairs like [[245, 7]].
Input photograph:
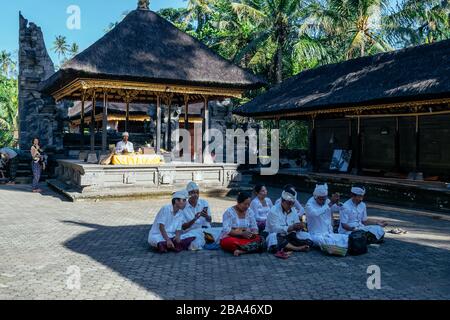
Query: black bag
[[357, 243]]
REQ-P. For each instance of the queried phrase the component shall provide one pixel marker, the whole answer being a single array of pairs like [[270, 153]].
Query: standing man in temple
[[124, 146], [353, 217]]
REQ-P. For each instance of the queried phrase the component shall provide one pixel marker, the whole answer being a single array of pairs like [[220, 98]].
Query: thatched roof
[[113, 108], [412, 74], [145, 47]]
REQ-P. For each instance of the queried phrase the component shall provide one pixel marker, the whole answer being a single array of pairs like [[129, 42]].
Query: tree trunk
[[279, 62]]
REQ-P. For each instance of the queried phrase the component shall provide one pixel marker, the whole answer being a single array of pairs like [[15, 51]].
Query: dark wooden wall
[[378, 143]]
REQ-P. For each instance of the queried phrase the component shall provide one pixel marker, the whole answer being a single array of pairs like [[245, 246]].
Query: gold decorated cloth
[[137, 159]]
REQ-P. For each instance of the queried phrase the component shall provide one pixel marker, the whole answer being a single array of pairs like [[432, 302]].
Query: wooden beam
[[92, 124], [105, 122], [158, 124], [205, 126], [83, 98]]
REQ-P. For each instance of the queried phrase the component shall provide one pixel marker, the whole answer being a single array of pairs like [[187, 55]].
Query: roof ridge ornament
[[144, 5]]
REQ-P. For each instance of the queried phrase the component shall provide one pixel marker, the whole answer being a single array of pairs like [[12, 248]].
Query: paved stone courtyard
[[44, 240]]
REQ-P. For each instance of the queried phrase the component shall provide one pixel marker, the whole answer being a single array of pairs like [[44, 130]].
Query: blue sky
[[51, 16]]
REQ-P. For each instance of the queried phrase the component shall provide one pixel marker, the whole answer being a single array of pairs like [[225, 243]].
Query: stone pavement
[[45, 241]]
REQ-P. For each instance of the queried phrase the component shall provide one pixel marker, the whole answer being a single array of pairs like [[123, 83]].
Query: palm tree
[[74, 49], [8, 109], [60, 46], [7, 64], [199, 9], [416, 22], [354, 27], [276, 21]]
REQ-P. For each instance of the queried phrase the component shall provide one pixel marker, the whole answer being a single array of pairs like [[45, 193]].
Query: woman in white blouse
[[261, 206], [240, 232]]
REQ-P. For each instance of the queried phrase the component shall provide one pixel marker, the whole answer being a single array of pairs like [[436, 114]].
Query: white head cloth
[[358, 191], [289, 196], [321, 190], [192, 186], [182, 194]]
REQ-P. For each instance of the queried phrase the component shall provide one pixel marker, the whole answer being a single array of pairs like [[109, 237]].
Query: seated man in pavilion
[[197, 219], [286, 232], [353, 217], [124, 146], [166, 233], [319, 215]]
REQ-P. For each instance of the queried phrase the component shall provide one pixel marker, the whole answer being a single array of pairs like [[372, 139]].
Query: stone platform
[[78, 180]]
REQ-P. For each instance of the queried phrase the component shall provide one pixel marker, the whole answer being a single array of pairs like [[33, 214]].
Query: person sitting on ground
[[261, 206], [353, 217], [286, 231], [319, 214], [197, 218], [240, 231], [11, 158], [297, 205], [166, 232], [124, 146]]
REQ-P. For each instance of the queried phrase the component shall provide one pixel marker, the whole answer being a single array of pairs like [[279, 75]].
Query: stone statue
[[144, 5]]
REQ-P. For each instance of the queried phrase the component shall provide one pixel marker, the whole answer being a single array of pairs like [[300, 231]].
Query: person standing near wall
[[36, 164]]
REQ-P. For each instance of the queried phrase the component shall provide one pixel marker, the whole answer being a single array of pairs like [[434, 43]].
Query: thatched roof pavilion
[[146, 59], [392, 110], [387, 81]]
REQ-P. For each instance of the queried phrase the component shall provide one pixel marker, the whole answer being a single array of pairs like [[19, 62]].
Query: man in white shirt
[[166, 232], [353, 217], [284, 226], [124, 146], [197, 218], [319, 210]]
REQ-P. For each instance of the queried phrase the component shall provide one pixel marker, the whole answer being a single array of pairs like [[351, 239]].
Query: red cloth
[[232, 244]]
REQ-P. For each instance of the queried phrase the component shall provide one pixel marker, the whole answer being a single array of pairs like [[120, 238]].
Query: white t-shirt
[[297, 206], [172, 223], [259, 210], [319, 217], [231, 220], [189, 213], [122, 146], [278, 221], [352, 215]]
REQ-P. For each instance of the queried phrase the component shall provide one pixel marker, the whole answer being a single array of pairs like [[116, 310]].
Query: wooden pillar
[[397, 144], [358, 147], [127, 119], [158, 124], [350, 134], [205, 126], [169, 125], [417, 162], [83, 100], [92, 126], [186, 112], [105, 122], [313, 145]]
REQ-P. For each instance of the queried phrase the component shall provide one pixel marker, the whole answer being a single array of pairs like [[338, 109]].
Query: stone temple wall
[[39, 116]]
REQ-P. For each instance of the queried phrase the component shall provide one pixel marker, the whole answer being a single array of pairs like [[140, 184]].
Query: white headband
[[288, 196], [358, 191], [321, 190], [192, 186]]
